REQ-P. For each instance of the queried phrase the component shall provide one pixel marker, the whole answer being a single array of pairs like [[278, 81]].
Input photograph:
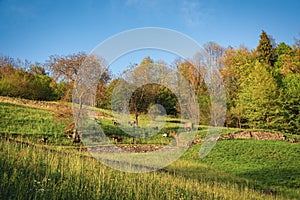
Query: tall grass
[[268, 165], [33, 173], [235, 169], [25, 120]]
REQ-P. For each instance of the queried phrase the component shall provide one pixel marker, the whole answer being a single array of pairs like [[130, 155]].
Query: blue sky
[[36, 29]]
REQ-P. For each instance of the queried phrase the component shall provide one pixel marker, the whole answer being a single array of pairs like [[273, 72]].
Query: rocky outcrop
[[257, 135]]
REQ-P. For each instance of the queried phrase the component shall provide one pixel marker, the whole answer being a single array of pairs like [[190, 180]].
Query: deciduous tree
[[259, 98]]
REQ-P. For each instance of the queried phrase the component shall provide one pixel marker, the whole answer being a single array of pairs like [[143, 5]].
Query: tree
[[37, 70], [85, 90], [213, 54], [16, 81], [259, 98], [23, 84], [7, 66], [238, 64], [140, 98], [290, 108], [265, 50], [142, 87], [167, 99], [194, 72], [102, 99], [288, 59], [140, 101], [65, 68]]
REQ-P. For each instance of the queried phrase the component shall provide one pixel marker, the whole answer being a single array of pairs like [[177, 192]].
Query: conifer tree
[[265, 50]]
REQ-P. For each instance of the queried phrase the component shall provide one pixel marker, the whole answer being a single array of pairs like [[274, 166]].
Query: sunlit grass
[[234, 169], [33, 173], [265, 164], [25, 120]]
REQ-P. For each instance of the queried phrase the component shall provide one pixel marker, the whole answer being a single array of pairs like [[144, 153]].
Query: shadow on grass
[[283, 181], [261, 170], [266, 181]]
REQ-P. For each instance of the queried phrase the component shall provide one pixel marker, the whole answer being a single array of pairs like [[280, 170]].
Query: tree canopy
[[262, 85]]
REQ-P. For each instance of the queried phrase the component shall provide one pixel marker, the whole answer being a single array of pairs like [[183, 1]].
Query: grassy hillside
[[24, 120], [33, 173], [267, 165], [30, 122], [234, 169]]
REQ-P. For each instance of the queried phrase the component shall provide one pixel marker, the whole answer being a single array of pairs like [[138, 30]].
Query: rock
[[257, 135]]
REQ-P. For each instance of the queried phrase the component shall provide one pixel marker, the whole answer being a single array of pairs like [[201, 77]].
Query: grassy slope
[[33, 173], [229, 171], [29, 121], [263, 164]]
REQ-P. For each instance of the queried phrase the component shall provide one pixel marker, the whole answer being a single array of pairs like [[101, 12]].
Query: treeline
[[25, 80], [52, 80], [262, 85]]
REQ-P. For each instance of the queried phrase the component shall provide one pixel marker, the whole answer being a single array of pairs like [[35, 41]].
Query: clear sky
[[36, 29]]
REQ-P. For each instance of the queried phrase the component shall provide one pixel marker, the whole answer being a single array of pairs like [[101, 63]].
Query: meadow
[[59, 169]]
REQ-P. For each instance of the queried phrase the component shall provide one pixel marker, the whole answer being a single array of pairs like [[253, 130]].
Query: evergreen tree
[[265, 50]]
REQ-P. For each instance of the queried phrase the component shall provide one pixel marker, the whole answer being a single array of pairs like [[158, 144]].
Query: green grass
[[265, 164], [21, 119], [111, 130], [234, 169], [30, 122], [33, 173]]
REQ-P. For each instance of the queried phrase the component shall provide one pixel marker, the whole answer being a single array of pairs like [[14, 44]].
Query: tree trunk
[[137, 118], [240, 123]]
